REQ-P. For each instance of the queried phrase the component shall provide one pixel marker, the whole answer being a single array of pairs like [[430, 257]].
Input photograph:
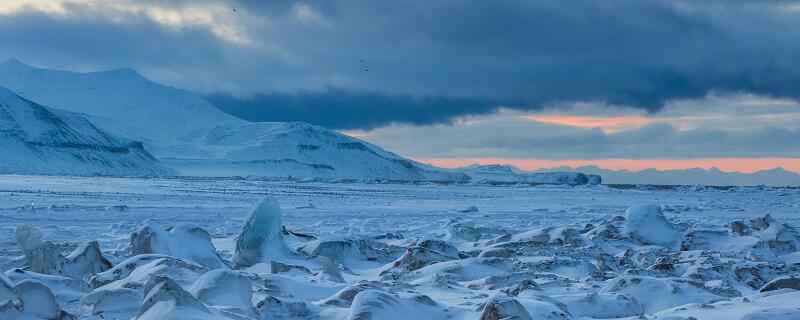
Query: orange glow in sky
[[354, 133], [745, 165], [608, 124]]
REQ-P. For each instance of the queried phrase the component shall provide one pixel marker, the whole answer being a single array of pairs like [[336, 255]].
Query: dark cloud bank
[[434, 61], [528, 55], [336, 108]]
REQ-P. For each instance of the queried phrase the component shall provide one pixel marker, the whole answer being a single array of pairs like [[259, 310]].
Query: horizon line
[[726, 165]]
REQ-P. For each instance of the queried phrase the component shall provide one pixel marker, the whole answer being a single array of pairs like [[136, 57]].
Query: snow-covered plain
[[393, 251]]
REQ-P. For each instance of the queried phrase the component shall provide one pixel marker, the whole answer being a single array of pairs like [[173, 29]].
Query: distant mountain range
[[695, 176]]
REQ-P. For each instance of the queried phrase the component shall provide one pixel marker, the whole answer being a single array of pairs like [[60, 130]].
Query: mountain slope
[[301, 150], [35, 139], [194, 137], [156, 111]]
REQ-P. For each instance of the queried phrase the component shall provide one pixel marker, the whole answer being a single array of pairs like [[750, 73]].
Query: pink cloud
[[608, 124]]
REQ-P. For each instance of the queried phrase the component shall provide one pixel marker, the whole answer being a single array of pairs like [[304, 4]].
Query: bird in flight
[[366, 70], [234, 9]]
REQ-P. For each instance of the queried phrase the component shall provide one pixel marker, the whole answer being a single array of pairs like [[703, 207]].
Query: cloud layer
[[429, 62], [715, 127], [545, 80]]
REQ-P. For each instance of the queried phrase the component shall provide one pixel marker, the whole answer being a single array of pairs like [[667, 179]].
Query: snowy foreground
[[233, 249]]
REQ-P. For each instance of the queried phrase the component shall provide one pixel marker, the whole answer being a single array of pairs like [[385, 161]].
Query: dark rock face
[[342, 248], [163, 289], [504, 307], [29, 299], [423, 254], [330, 270], [273, 308], [739, 228], [526, 284], [344, 298], [782, 283], [278, 267], [46, 258]]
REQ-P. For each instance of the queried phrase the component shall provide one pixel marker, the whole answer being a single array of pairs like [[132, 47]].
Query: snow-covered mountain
[[154, 111], [35, 139], [300, 150], [194, 137]]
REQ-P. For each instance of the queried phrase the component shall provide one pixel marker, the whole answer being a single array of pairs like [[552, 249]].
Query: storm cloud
[[531, 55], [340, 109], [429, 62]]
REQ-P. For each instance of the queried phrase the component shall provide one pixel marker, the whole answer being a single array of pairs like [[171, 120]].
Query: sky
[[621, 84]]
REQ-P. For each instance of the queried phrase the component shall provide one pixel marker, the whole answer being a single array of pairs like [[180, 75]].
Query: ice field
[[396, 251]]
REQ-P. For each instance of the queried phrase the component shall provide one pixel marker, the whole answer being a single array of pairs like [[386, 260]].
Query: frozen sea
[[72, 210]]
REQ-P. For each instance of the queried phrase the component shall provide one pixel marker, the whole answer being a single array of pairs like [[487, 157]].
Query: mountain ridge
[[39, 140], [207, 141], [121, 95]]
